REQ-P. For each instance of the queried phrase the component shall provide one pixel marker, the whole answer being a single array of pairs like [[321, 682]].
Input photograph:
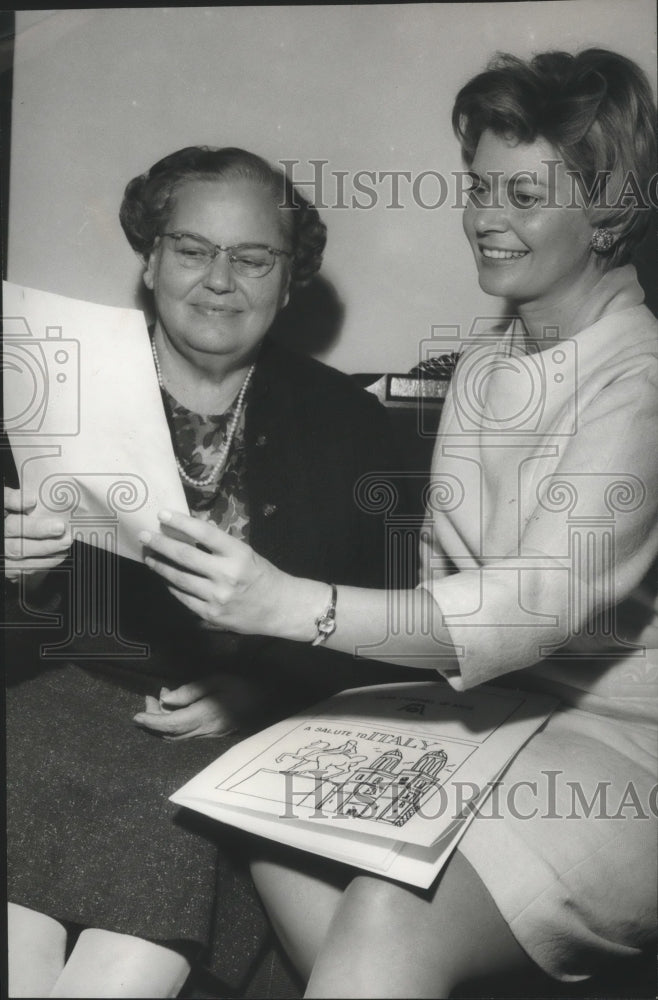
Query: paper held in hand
[[84, 417], [385, 778]]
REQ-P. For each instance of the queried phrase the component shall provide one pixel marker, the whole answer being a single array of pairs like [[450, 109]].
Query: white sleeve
[[589, 535]]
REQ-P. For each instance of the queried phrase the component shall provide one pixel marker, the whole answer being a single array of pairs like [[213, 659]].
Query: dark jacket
[[310, 435]]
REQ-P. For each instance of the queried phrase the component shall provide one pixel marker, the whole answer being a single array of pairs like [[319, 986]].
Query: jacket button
[[261, 440], [269, 509]]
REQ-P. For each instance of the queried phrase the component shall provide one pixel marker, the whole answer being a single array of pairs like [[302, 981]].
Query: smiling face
[[212, 312], [530, 245]]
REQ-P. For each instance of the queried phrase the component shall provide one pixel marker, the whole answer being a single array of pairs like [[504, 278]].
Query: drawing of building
[[383, 793]]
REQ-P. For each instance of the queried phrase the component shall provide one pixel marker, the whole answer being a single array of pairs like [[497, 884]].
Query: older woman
[[269, 446], [548, 566]]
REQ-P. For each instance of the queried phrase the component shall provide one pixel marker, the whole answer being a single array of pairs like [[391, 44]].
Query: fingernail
[[165, 515], [57, 527], [145, 537], [150, 562]]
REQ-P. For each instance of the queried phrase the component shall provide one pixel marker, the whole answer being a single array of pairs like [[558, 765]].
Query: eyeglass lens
[[247, 260]]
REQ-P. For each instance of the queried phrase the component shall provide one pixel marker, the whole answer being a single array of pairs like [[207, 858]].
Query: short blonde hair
[[596, 108]]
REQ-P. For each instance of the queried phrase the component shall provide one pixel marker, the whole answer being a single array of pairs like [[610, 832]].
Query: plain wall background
[[100, 95]]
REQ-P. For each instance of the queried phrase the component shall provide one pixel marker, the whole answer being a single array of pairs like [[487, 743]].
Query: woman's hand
[[34, 543], [229, 585], [213, 706]]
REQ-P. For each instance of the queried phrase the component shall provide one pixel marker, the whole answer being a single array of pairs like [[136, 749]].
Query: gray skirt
[[92, 837]]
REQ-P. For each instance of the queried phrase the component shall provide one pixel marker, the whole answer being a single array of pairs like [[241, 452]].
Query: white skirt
[[567, 845]]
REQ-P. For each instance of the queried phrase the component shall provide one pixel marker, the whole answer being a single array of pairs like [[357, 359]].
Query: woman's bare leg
[[380, 939], [107, 964], [300, 893], [386, 940], [37, 949]]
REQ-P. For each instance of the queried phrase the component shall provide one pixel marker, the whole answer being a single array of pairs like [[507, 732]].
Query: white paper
[[407, 863], [386, 778], [84, 416]]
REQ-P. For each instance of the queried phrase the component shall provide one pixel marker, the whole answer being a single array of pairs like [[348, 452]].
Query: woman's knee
[[36, 951], [389, 940], [376, 904], [107, 964]]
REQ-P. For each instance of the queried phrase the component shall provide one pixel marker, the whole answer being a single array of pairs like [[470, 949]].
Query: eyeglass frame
[[216, 249]]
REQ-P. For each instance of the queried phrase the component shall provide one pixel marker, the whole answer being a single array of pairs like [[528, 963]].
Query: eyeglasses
[[249, 260]]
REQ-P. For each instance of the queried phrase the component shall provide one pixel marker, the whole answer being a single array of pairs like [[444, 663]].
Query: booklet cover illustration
[[386, 777]]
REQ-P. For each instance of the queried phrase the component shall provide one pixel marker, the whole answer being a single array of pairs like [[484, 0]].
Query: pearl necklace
[[230, 434]]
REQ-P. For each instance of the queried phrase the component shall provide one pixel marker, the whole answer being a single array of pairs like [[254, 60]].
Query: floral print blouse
[[197, 441]]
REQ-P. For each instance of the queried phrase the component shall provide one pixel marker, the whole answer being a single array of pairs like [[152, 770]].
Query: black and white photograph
[[330, 472]]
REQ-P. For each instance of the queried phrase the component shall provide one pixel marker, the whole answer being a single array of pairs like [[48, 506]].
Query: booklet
[[385, 778], [84, 416]]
